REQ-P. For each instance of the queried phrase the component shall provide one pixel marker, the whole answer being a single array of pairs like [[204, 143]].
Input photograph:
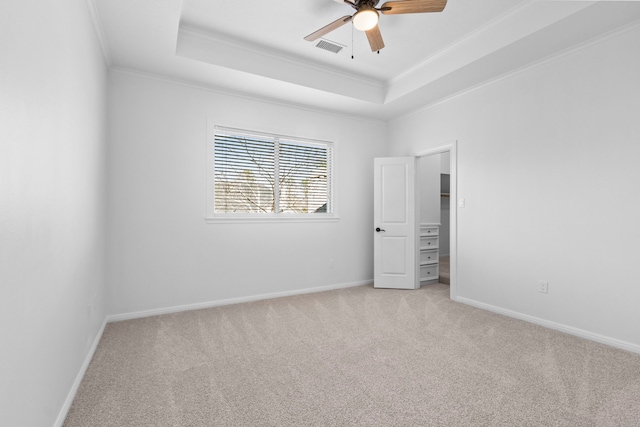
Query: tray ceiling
[[257, 48]]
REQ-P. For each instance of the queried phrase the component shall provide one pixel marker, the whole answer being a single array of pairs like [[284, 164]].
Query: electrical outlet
[[332, 264], [544, 287]]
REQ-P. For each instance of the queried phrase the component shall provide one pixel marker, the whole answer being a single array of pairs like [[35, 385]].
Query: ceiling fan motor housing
[[366, 4]]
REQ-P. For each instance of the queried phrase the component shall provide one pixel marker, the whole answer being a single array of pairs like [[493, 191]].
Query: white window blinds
[[260, 173]]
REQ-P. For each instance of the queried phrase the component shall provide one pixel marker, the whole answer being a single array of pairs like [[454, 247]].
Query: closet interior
[[434, 230]]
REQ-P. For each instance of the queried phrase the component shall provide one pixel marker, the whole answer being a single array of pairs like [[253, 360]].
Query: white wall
[[429, 188], [445, 163], [548, 163], [52, 202], [161, 253]]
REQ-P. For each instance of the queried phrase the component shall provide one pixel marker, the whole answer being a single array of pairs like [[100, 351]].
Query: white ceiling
[[280, 25], [256, 47]]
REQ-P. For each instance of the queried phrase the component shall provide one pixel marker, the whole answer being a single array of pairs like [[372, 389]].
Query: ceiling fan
[[366, 17]]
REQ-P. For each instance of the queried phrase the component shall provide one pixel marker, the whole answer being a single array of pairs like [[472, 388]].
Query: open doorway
[[437, 221]]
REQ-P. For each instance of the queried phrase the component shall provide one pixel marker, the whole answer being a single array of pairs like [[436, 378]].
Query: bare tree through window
[[270, 174]]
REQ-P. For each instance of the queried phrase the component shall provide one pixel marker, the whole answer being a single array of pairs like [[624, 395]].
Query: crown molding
[[99, 31], [269, 53], [511, 27], [238, 94], [451, 46], [531, 66]]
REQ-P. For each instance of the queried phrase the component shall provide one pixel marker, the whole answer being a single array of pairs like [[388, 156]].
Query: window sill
[[272, 219]]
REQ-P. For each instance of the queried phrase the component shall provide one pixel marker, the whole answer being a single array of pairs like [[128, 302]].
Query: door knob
[[378, 229]]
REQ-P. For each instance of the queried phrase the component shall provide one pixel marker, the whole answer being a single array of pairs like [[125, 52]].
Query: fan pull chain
[[351, 41]]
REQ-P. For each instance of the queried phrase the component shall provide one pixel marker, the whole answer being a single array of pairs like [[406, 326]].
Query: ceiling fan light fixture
[[365, 19]]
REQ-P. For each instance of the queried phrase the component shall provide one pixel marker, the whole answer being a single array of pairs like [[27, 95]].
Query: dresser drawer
[[428, 272], [426, 230], [428, 242], [429, 256]]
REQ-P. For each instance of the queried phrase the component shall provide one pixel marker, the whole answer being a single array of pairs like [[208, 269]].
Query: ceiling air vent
[[330, 46]]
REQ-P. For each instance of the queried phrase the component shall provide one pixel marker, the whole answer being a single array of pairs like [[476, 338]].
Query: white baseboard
[[62, 415], [602, 339], [217, 303]]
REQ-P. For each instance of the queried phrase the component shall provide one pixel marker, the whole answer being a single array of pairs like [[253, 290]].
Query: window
[[259, 175]]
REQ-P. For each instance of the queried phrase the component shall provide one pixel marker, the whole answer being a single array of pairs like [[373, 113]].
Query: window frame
[[242, 217]]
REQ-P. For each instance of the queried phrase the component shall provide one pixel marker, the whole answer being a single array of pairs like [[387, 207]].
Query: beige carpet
[[353, 357]]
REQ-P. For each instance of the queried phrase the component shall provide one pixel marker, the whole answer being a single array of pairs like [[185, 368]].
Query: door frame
[[450, 147]]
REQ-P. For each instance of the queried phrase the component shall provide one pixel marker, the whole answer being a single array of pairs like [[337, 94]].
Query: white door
[[394, 222]]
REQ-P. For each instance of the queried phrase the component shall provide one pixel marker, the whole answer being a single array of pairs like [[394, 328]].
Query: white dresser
[[429, 239]]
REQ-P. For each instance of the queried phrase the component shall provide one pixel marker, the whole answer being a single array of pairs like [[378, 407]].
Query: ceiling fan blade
[[412, 6], [328, 28], [375, 39]]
